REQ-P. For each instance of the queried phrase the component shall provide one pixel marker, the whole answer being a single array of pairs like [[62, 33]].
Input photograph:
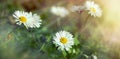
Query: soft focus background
[[101, 36]]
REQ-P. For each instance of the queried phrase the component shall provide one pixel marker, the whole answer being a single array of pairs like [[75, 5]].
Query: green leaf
[[76, 40], [48, 38], [77, 51], [42, 48], [64, 53], [69, 51]]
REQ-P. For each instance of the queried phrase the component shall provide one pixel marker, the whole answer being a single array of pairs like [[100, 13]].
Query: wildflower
[[59, 11], [77, 8], [28, 19], [93, 9], [63, 40]]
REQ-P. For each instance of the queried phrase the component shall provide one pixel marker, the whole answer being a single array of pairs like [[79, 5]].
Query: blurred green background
[[99, 37]]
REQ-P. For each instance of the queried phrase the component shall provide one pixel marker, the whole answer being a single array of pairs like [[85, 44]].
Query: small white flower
[[74, 51], [77, 8], [59, 11], [93, 9], [63, 40], [94, 56], [28, 19]]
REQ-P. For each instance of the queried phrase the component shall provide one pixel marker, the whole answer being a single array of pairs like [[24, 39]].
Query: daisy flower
[[77, 8], [63, 40], [93, 9], [59, 11], [28, 19]]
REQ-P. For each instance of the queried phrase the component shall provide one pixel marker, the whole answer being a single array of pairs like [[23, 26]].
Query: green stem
[[47, 26], [42, 47], [84, 25], [58, 22], [64, 54], [86, 19]]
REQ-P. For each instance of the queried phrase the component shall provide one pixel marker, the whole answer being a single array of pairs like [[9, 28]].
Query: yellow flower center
[[63, 40], [23, 19], [93, 9]]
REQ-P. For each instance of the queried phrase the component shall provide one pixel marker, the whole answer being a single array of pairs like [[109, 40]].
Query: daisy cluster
[[63, 40]]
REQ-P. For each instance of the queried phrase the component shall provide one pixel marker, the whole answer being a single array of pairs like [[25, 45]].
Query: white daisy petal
[[63, 40], [28, 19], [93, 9], [77, 8], [59, 11]]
